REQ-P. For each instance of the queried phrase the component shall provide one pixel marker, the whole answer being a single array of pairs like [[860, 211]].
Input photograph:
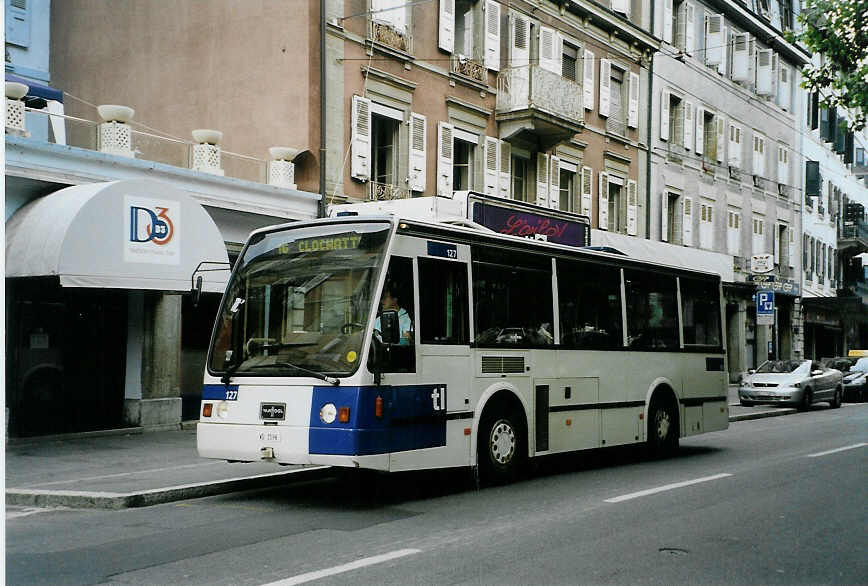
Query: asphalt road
[[770, 501]]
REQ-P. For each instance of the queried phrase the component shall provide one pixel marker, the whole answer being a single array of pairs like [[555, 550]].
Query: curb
[[763, 414], [114, 501]]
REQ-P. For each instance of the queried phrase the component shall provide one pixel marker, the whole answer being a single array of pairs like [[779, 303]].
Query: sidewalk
[[132, 468]]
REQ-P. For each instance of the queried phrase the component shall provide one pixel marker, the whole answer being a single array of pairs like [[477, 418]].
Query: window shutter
[[632, 208], [764, 72], [519, 42], [505, 169], [446, 36], [542, 180], [774, 73], [700, 129], [603, 202], [418, 145], [687, 222], [664, 217], [667, 21], [689, 125], [734, 146], [633, 111], [791, 253], [740, 53], [588, 88], [776, 248], [690, 32], [548, 59], [361, 138], [681, 26], [444, 159], [725, 41], [721, 137], [492, 35], [759, 155], [783, 165], [664, 115], [713, 39], [491, 176], [605, 86], [784, 86], [17, 23], [555, 183], [587, 187], [622, 6]]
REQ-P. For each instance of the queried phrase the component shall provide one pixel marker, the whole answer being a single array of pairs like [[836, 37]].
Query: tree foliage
[[838, 30]]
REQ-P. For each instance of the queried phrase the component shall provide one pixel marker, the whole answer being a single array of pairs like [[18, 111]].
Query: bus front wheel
[[501, 451], [662, 429]]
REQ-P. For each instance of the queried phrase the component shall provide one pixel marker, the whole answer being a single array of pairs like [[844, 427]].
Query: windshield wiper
[[313, 373], [230, 370]]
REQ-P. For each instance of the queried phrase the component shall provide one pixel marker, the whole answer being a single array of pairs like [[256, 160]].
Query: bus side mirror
[[389, 327], [196, 293]]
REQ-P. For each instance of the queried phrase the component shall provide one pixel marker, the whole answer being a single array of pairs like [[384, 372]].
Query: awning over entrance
[[121, 235]]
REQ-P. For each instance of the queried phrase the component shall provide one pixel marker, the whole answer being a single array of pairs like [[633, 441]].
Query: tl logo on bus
[[151, 225]]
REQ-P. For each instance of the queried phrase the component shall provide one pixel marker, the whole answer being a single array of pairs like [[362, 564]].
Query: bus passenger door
[[443, 345]]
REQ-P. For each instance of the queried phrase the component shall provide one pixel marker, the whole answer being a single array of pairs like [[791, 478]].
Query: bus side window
[[512, 297], [700, 308], [589, 297], [652, 310], [443, 302], [397, 295]]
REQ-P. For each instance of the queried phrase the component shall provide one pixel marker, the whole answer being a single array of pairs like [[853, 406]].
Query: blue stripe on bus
[[411, 420], [220, 392]]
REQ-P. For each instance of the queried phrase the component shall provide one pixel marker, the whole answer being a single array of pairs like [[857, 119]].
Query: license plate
[[269, 436], [272, 411]]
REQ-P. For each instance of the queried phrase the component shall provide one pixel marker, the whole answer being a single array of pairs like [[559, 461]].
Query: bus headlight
[[222, 409], [328, 413]]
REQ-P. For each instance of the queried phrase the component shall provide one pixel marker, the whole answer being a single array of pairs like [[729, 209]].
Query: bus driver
[[390, 300]]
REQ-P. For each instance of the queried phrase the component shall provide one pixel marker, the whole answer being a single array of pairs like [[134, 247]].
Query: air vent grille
[[502, 364]]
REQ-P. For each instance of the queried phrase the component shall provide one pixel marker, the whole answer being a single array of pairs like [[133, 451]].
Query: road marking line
[[836, 450], [377, 559], [633, 495]]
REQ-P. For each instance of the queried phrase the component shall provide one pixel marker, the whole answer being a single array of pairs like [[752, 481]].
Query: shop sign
[[151, 230], [762, 263], [779, 285]]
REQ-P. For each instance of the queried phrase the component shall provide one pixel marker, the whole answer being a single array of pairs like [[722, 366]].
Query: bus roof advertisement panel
[[531, 225]]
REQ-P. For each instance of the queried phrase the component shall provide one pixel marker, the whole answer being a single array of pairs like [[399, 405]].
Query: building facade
[[727, 170]]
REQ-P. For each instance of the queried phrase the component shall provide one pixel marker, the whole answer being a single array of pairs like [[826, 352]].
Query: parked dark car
[[855, 371]]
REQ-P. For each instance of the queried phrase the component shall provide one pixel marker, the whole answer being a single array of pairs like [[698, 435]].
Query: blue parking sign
[[765, 307]]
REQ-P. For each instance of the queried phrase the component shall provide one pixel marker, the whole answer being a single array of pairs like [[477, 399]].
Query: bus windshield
[[299, 301]]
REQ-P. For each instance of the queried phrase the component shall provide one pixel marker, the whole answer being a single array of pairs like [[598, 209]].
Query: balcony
[[386, 35], [386, 191], [467, 67], [853, 235], [544, 104]]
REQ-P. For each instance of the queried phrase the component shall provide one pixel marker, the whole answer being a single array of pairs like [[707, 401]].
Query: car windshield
[[300, 299], [842, 364], [861, 364], [784, 366]]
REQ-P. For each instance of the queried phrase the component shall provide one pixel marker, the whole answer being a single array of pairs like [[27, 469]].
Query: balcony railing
[[83, 133], [387, 35], [468, 68], [532, 87], [854, 231], [386, 191]]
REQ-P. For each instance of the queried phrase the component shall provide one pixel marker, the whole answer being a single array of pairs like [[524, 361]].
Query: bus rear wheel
[[662, 429], [501, 448]]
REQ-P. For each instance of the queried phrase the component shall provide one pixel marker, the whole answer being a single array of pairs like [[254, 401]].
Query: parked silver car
[[792, 382]]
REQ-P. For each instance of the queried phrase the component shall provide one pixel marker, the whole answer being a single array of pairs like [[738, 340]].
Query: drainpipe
[[650, 136], [322, 109]]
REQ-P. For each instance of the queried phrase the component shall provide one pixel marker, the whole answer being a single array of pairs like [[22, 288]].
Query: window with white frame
[[463, 151], [520, 167], [567, 187], [684, 24], [390, 23], [758, 241], [672, 118], [617, 219], [783, 164], [672, 218], [384, 141], [733, 231], [706, 225], [470, 30]]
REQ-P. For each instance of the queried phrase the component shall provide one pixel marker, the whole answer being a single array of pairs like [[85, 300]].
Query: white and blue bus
[[494, 349]]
